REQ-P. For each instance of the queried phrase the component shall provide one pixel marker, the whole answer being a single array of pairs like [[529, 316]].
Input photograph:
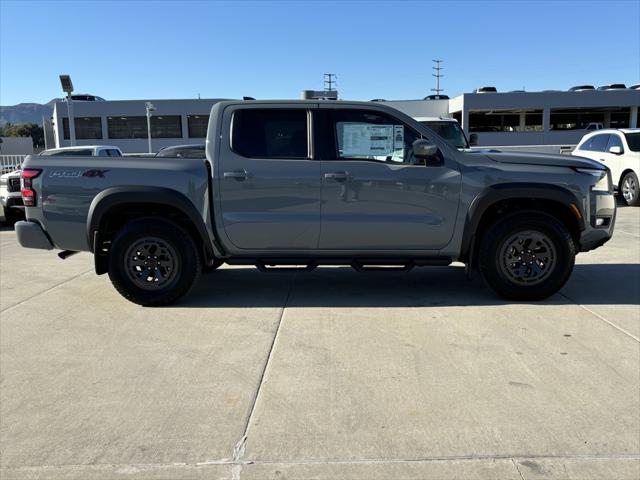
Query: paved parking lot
[[330, 374]]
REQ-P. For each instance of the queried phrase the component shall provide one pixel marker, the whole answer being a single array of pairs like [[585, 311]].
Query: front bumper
[[31, 235], [601, 221]]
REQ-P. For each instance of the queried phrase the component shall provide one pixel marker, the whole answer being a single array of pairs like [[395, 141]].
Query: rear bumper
[[31, 235], [602, 208]]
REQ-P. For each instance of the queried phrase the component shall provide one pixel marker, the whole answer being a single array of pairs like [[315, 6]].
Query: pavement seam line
[[628, 233], [45, 291], [601, 317], [517, 469], [239, 447], [454, 458]]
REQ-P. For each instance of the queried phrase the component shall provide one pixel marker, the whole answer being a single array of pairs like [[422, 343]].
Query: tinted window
[[87, 128], [633, 140], [197, 151], [368, 135], [262, 133], [112, 152], [103, 153], [79, 153], [597, 143], [197, 125], [450, 131], [615, 141], [162, 126]]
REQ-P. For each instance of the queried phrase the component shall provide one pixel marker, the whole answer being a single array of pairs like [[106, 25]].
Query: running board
[[358, 264]]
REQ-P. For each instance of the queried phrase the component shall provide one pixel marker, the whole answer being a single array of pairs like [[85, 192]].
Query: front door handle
[[337, 176], [237, 174]]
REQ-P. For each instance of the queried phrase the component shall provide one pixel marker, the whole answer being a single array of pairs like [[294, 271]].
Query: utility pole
[[329, 82], [438, 76]]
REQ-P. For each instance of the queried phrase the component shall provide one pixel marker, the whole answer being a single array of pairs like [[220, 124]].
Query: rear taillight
[[26, 186]]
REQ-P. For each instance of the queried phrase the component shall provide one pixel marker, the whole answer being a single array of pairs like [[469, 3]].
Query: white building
[[532, 118], [499, 119], [123, 123]]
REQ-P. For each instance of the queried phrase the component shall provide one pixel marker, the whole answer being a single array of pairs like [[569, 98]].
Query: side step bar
[[358, 264]]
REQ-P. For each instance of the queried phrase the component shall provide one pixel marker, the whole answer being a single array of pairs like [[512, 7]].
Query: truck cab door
[[268, 184], [375, 194]]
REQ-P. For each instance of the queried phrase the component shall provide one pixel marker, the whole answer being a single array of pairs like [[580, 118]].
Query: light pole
[[150, 108], [67, 87]]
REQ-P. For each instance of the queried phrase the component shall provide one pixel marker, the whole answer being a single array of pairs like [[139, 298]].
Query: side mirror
[[424, 148], [473, 139], [616, 150]]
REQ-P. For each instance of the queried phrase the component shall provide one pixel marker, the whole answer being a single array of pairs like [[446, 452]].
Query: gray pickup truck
[[309, 183]]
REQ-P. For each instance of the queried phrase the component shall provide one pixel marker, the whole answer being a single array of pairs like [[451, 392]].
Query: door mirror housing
[[473, 139], [616, 150], [423, 149]]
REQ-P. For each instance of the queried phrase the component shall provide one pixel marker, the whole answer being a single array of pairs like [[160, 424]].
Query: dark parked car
[[183, 151]]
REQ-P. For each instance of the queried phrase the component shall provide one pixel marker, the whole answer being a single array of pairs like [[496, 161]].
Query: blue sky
[[381, 49]]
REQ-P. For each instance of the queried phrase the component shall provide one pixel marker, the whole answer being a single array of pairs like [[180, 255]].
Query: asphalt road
[[331, 374]]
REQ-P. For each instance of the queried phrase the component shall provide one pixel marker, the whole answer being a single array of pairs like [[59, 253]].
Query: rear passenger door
[[268, 184], [375, 195]]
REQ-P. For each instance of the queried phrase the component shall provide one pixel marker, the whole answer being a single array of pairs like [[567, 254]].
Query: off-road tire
[[494, 259], [184, 258]]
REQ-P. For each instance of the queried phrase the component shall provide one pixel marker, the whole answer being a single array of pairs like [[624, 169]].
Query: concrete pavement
[[330, 374]]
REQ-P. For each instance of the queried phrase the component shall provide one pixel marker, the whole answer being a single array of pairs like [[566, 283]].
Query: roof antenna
[[330, 82]]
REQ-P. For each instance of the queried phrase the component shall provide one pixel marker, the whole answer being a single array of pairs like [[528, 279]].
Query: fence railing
[[8, 163]]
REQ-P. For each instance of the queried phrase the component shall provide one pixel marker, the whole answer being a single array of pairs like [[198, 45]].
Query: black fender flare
[[513, 191], [114, 196]]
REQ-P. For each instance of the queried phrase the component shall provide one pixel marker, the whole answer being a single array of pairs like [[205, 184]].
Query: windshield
[[450, 131], [633, 139]]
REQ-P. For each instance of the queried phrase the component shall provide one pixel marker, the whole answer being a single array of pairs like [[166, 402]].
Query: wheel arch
[[501, 199], [623, 174], [113, 207]]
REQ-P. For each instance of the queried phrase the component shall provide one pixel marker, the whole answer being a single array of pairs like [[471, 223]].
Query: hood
[[548, 159]]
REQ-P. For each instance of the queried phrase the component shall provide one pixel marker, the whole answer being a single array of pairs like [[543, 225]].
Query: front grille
[[13, 184]]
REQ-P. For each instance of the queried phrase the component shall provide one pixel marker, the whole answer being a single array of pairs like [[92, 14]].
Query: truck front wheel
[[528, 255], [153, 262]]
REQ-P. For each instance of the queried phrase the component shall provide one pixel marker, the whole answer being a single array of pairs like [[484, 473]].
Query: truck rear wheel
[[153, 262], [528, 255]]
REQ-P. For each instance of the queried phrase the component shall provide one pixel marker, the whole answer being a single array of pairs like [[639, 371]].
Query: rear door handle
[[338, 176], [237, 174]]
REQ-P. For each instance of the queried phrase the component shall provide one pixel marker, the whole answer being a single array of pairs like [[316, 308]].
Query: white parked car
[[620, 151], [85, 151]]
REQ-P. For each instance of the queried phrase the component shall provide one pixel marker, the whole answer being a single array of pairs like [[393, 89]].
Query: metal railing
[[9, 163]]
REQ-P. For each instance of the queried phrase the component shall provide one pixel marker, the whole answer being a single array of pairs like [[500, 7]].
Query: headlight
[[600, 177]]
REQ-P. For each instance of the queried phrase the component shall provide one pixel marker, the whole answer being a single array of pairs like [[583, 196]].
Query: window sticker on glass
[[398, 137], [361, 139]]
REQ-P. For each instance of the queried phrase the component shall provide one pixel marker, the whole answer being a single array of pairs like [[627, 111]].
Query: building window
[[533, 121], [575, 119], [620, 119], [493, 122], [162, 126], [505, 121], [197, 125], [166, 126], [87, 128]]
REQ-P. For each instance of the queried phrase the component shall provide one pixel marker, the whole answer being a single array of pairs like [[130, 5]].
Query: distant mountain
[[27, 112]]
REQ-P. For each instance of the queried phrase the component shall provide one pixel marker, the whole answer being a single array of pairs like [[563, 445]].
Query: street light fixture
[[150, 108], [67, 87]]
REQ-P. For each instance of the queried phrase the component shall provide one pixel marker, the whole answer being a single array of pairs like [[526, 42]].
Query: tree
[[36, 132]]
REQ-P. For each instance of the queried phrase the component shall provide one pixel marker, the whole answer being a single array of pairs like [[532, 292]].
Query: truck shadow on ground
[[422, 287]]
